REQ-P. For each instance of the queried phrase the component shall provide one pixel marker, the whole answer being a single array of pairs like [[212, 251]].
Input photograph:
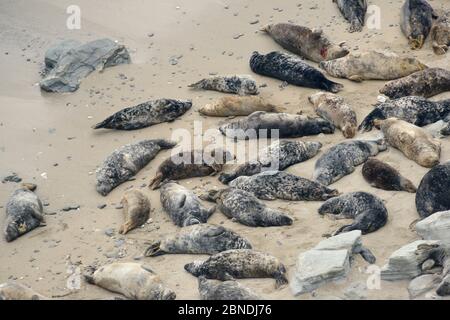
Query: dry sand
[[47, 138]]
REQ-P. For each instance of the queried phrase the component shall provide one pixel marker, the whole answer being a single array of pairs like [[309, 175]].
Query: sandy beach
[[47, 138]]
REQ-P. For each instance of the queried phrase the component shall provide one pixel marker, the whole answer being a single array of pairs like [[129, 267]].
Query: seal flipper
[[154, 250], [332, 86], [156, 182], [280, 278], [368, 123], [367, 255], [224, 276]]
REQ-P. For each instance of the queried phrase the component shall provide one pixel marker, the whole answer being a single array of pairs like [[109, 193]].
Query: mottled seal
[[433, 193], [224, 290], [271, 185], [416, 110], [309, 44], [333, 108], [133, 280], [367, 210], [341, 159], [237, 84], [354, 11], [372, 65], [236, 106], [414, 142], [440, 34], [136, 208], [383, 176], [416, 22], [183, 206], [278, 156], [24, 212], [198, 239], [291, 69], [146, 114], [260, 124], [425, 83], [239, 264], [245, 208], [189, 164], [16, 291], [126, 161]]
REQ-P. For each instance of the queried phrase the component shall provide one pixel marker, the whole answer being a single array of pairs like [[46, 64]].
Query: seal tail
[[369, 122], [280, 277], [333, 87], [156, 182], [154, 250], [197, 85], [105, 124], [225, 178], [165, 144]]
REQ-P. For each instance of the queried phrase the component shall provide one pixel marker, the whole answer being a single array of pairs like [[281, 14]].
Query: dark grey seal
[[183, 206], [239, 264], [291, 69], [145, 114], [367, 210], [416, 22], [230, 290], [260, 124], [341, 159], [416, 110], [354, 11], [433, 194], [245, 208], [24, 212], [278, 156], [271, 185], [237, 84], [126, 161], [198, 239]]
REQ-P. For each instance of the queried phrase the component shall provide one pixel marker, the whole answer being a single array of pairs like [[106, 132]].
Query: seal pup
[[383, 176], [239, 264], [127, 161], [416, 22], [16, 291], [367, 210], [237, 84], [291, 69], [198, 239], [414, 142], [271, 185], [146, 114], [190, 164], [333, 108], [278, 156], [425, 83], [224, 290], [440, 34], [136, 208], [245, 208], [24, 212], [309, 44], [236, 106], [341, 159], [433, 192], [183, 206], [260, 124], [132, 280], [416, 110], [372, 65], [354, 11]]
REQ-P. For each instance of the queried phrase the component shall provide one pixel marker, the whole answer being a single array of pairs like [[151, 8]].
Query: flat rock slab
[[435, 227], [423, 284], [350, 241], [69, 62]]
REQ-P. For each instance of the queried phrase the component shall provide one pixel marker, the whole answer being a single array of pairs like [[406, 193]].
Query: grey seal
[[15, 291], [237, 106], [224, 290], [440, 34], [237, 84], [416, 22], [136, 208], [354, 11]]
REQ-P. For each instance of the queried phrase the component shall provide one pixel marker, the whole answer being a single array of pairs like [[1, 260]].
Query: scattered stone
[[237, 36], [12, 178], [435, 227], [101, 206], [254, 21], [356, 291], [423, 284], [109, 232], [70, 208], [428, 265]]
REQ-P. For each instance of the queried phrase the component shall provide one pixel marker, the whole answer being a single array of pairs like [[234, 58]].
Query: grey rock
[[428, 265], [356, 291], [12, 178], [435, 227], [55, 53], [423, 284], [444, 287]]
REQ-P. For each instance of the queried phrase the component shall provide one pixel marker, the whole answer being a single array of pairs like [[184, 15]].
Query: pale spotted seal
[[333, 108], [146, 114], [440, 34], [133, 280], [183, 206], [237, 84], [271, 185], [367, 210], [291, 69], [372, 65], [236, 106], [354, 11], [309, 44], [414, 142], [278, 156], [224, 290], [189, 164], [239, 264], [416, 22], [136, 208], [261, 124], [245, 208], [198, 239], [126, 161], [341, 159], [416, 110], [16, 291], [383, 176]]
